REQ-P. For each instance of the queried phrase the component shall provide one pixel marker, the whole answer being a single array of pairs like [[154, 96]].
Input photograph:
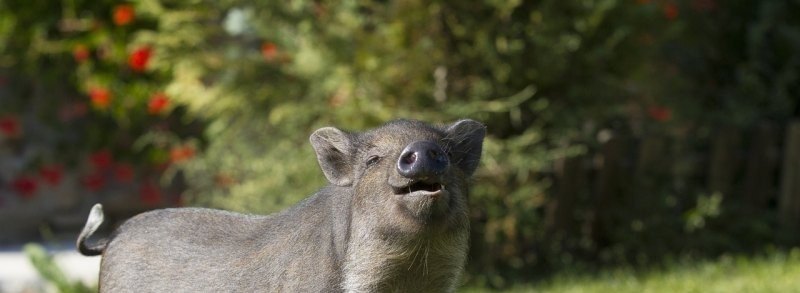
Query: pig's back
[[191, 249]]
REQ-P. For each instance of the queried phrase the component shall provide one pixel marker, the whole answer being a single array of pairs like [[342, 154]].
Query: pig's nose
[[422, 160]]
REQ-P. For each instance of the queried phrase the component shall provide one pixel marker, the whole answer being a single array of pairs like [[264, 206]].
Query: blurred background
[[634, 144]]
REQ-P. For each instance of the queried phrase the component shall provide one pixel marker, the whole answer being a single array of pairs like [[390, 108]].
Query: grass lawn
[[778, 272]]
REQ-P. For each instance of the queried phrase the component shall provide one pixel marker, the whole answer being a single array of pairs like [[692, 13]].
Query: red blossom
[[670, 10], [269, 50], [24, 186], [123, 173], [139, 58], [81, 53], [660, 113], [10, 126], [101, 159], [101, 97], [149, 194], [158, 102], [123, 14], [181, 153], [52, 174], [94, 181]]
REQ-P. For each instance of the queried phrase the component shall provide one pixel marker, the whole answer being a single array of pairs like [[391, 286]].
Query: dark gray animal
[[393, 219]]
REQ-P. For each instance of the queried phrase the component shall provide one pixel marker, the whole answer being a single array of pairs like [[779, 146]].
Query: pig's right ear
[[334, 148]]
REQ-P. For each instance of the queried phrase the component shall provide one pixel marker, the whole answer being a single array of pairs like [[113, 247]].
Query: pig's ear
[[465, 144], [334, 149]]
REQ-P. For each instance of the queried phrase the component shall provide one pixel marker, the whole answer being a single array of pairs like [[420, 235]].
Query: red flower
[[123, 173], [123, 14], [139, 58], [10, 127], [94, 181], [157, 103], [660, 113], [149, 194], [670, 10], [101, 159], [101, 97], [180, 154], [52, 174], [24, 186], [269, 51], [80, 53]]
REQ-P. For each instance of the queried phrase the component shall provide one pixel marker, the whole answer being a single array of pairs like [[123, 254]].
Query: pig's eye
[[372, 160]]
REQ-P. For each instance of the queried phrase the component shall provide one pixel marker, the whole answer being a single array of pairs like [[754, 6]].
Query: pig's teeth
[[432, 187], [420, 186]]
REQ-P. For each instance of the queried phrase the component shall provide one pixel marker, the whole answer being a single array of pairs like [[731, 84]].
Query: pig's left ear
[[334, 149], [465, 143]]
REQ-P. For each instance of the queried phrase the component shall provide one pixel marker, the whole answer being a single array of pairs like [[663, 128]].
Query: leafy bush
[[247, 82], [82, 101]]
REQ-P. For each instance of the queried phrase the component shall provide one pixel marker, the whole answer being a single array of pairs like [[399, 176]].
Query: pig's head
[[406, 176]]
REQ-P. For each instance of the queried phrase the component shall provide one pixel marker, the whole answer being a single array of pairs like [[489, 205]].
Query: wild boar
[[393, 219]]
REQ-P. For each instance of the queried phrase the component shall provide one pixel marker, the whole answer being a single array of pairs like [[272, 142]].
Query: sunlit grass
[[778, 272]]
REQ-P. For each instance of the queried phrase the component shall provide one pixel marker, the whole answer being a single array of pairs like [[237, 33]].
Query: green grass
[[777, 272]]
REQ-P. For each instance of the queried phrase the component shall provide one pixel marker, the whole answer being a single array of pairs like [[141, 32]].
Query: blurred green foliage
[[51, 272], [82, 104], [549, 78]]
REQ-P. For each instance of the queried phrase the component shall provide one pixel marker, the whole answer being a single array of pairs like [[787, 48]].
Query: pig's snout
[[422, 160]]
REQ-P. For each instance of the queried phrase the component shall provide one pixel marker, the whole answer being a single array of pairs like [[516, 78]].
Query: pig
[[393, 218]]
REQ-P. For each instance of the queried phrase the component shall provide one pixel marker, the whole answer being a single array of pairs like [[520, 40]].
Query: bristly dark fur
[[355, 235]]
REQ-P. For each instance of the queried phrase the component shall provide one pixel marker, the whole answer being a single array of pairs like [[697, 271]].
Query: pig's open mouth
[[427, 187]]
